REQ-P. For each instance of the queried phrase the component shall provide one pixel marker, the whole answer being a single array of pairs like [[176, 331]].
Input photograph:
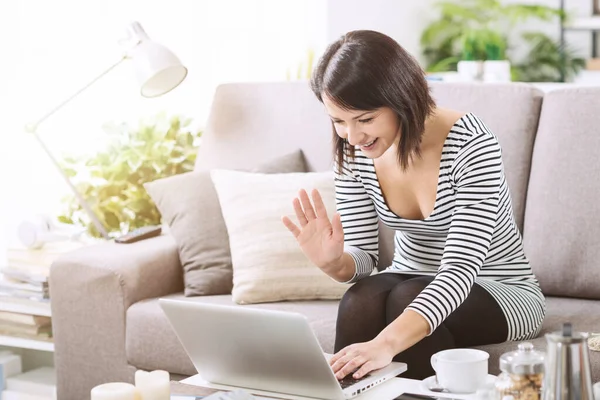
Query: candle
[[115, 391], [153, 385]]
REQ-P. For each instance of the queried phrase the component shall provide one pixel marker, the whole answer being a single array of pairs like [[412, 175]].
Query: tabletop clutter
[[155, 385], [562, 372]]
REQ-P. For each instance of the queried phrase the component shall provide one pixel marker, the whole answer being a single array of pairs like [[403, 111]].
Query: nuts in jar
[[522, 374]]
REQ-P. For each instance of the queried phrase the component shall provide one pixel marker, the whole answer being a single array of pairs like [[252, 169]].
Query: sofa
[[106, 318]]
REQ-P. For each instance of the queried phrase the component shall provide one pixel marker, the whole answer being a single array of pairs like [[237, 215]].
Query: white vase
[[470, 71], [496, 71]]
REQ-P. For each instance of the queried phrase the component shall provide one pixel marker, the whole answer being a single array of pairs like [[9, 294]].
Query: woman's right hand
[[321, 240]]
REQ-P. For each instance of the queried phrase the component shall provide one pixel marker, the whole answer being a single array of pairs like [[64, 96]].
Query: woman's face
[[374, 132]]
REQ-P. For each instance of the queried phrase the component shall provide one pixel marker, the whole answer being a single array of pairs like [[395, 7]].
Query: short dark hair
[[366, 70]]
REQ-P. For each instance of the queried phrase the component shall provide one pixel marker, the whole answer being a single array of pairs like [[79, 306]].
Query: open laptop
[[267, 350]]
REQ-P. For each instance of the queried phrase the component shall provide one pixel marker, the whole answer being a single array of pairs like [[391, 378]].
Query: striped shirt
[[471, 235]]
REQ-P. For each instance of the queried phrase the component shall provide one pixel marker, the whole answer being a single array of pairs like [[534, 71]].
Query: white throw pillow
[[268, 264]]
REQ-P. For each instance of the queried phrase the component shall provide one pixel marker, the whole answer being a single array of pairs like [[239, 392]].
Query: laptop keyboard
[[348, 380]]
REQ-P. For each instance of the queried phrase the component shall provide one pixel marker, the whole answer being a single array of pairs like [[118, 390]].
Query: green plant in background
[[544, 62], [482, 44], [479, 30], [112, 179]]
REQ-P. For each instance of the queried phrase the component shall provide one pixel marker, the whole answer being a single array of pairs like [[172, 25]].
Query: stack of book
[[24, 291]]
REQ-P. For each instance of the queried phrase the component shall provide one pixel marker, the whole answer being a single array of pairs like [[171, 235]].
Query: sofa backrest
[[562, 213], [511, 112], [250, 123]]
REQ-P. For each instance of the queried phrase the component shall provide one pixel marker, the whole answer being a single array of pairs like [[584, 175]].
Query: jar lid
[[525, 360]]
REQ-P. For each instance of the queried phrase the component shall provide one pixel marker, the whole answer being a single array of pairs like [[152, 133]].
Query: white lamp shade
[[158, 70]]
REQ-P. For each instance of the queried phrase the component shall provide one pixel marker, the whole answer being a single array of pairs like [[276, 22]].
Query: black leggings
[[374, 302]]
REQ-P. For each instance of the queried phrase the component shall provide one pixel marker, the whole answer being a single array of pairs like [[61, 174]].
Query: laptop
[[266, 350]]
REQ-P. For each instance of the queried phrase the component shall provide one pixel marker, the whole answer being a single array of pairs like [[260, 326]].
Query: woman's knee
[[367, 294], [403, 294]]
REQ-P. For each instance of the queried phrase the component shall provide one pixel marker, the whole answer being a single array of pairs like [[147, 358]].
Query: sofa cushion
[[559, 311], [511, 111], [268, 263], [189, 205], [151, 343], [562, 219]]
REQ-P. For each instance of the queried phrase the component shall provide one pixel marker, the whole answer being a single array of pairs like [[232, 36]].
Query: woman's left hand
[[364, 357]]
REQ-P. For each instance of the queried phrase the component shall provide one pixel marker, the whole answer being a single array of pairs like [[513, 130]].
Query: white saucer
[[431, 383]]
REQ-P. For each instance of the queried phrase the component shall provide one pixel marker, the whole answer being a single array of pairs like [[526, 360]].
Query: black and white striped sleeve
[[477, 176], [359, 221]]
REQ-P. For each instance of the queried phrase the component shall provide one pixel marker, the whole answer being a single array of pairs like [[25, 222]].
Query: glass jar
[[522, 374]]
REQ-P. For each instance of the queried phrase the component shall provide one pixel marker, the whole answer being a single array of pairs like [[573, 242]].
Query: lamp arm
[[80, 198], [32, 128]]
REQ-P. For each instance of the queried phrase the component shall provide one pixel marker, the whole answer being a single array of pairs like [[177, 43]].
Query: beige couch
[[107, 321]]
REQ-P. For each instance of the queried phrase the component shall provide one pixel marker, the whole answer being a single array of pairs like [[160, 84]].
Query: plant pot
[[496, 71], [470, 71]]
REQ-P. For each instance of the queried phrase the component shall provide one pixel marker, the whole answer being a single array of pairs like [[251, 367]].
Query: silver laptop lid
[[253, 348]]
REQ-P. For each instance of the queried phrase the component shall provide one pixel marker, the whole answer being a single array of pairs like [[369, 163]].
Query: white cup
[[460, 370], [597, 391]]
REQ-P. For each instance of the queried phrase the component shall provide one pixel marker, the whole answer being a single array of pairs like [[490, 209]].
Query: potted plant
[[496, 67], [479, 29], [482, 54], [111, 180]]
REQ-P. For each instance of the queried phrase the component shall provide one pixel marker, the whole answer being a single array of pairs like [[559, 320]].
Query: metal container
[[568, 374]]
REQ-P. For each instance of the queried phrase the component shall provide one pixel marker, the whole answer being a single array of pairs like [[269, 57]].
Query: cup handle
[[434, 362]]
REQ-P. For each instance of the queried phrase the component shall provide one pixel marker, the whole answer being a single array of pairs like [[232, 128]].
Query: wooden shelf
[[11, 341]]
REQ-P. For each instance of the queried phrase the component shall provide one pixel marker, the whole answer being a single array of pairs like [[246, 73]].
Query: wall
[[402, 20]]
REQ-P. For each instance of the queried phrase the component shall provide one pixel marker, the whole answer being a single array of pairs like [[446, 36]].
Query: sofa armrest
[[90, 290]]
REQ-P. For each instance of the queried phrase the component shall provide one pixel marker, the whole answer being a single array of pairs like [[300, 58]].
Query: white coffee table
[[387, 390]]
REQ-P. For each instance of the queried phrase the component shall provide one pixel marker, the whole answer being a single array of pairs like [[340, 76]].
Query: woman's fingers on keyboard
[[348, 364], [364, 370], [336, 357]]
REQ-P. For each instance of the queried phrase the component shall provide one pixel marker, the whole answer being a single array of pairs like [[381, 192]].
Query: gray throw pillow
[[189, 205]]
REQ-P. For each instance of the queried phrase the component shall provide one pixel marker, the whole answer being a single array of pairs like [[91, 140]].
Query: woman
[[459, 276]]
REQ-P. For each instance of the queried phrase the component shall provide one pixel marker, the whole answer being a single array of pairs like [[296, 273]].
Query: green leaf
[[64, 219], [138, 205], [69, 172], [70, 160], [112, 179], [521, 12], [111, 220], [447, 64], [459, 11]]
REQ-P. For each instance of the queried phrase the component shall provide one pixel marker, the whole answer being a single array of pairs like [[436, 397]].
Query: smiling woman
[[349, 94], [459, 277]]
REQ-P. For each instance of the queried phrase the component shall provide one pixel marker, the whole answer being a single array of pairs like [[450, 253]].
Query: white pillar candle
[[153, 385], [115, 391]]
